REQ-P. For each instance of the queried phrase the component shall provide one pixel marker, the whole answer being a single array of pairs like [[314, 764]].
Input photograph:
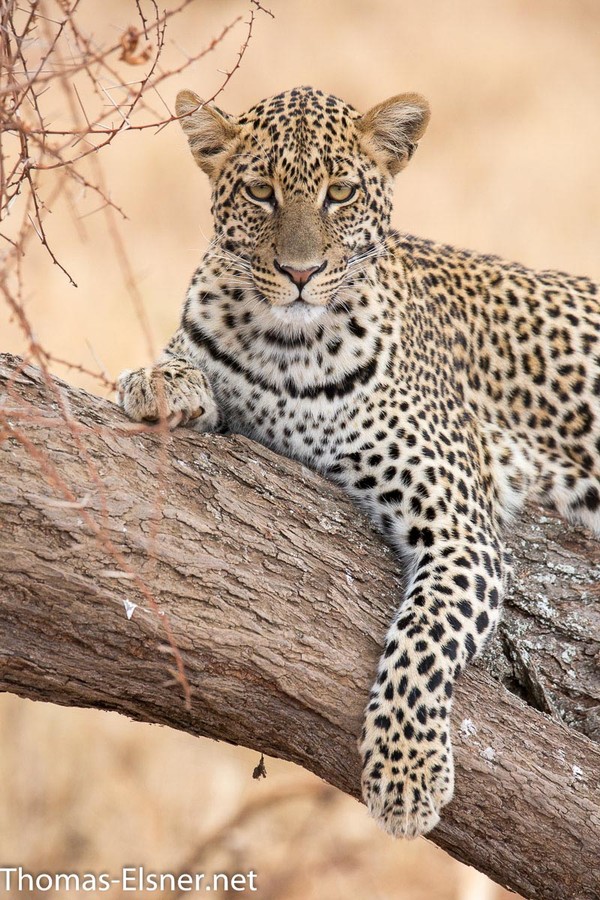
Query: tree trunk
[[277, 593]]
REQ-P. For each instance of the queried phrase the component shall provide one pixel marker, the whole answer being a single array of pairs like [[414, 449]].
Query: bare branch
[[33, 71]]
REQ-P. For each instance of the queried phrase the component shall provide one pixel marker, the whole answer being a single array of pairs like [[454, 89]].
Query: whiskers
[[372, 251], [364, 260], [236, 271], [235, 262], [259, 308]]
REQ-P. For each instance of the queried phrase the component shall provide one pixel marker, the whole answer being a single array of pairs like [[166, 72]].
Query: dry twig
[[49, 62]]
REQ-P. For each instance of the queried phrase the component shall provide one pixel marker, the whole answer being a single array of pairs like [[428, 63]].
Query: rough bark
[[278, 594]]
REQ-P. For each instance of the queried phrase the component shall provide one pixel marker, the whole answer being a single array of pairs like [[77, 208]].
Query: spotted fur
[[438, 387]]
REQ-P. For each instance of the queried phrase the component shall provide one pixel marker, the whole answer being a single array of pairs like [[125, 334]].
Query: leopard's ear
[[391, 130], [210, 132]]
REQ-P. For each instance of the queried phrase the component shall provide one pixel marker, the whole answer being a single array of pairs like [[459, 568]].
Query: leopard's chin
[[298, 313]]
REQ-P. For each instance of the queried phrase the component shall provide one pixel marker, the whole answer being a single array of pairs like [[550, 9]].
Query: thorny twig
[[48, 62]]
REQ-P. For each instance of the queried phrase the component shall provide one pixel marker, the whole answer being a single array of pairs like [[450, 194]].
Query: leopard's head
[[302, 188]]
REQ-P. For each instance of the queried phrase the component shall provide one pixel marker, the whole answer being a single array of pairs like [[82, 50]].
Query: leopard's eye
[[339, 193], [260, 191]]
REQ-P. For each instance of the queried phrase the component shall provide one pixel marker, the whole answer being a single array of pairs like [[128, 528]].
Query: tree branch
[[278, 594]]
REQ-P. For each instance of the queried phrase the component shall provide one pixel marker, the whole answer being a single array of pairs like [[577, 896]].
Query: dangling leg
[[451, 607]]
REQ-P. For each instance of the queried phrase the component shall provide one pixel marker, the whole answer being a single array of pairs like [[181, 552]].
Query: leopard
[[440, 388]]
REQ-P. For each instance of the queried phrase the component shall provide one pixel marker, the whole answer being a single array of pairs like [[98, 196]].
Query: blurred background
[[509, 166]]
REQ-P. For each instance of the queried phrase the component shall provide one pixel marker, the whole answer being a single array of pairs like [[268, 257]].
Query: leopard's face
[[302, 190], [300, 195]]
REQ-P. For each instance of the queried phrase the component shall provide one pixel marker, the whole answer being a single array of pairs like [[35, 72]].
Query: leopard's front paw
[[405, 781], [174, 390]]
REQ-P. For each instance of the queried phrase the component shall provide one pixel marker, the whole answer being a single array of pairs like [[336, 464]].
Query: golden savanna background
[[509, 166]]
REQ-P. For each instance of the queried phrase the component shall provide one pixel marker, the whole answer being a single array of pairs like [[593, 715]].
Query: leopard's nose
[[299, 277]]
